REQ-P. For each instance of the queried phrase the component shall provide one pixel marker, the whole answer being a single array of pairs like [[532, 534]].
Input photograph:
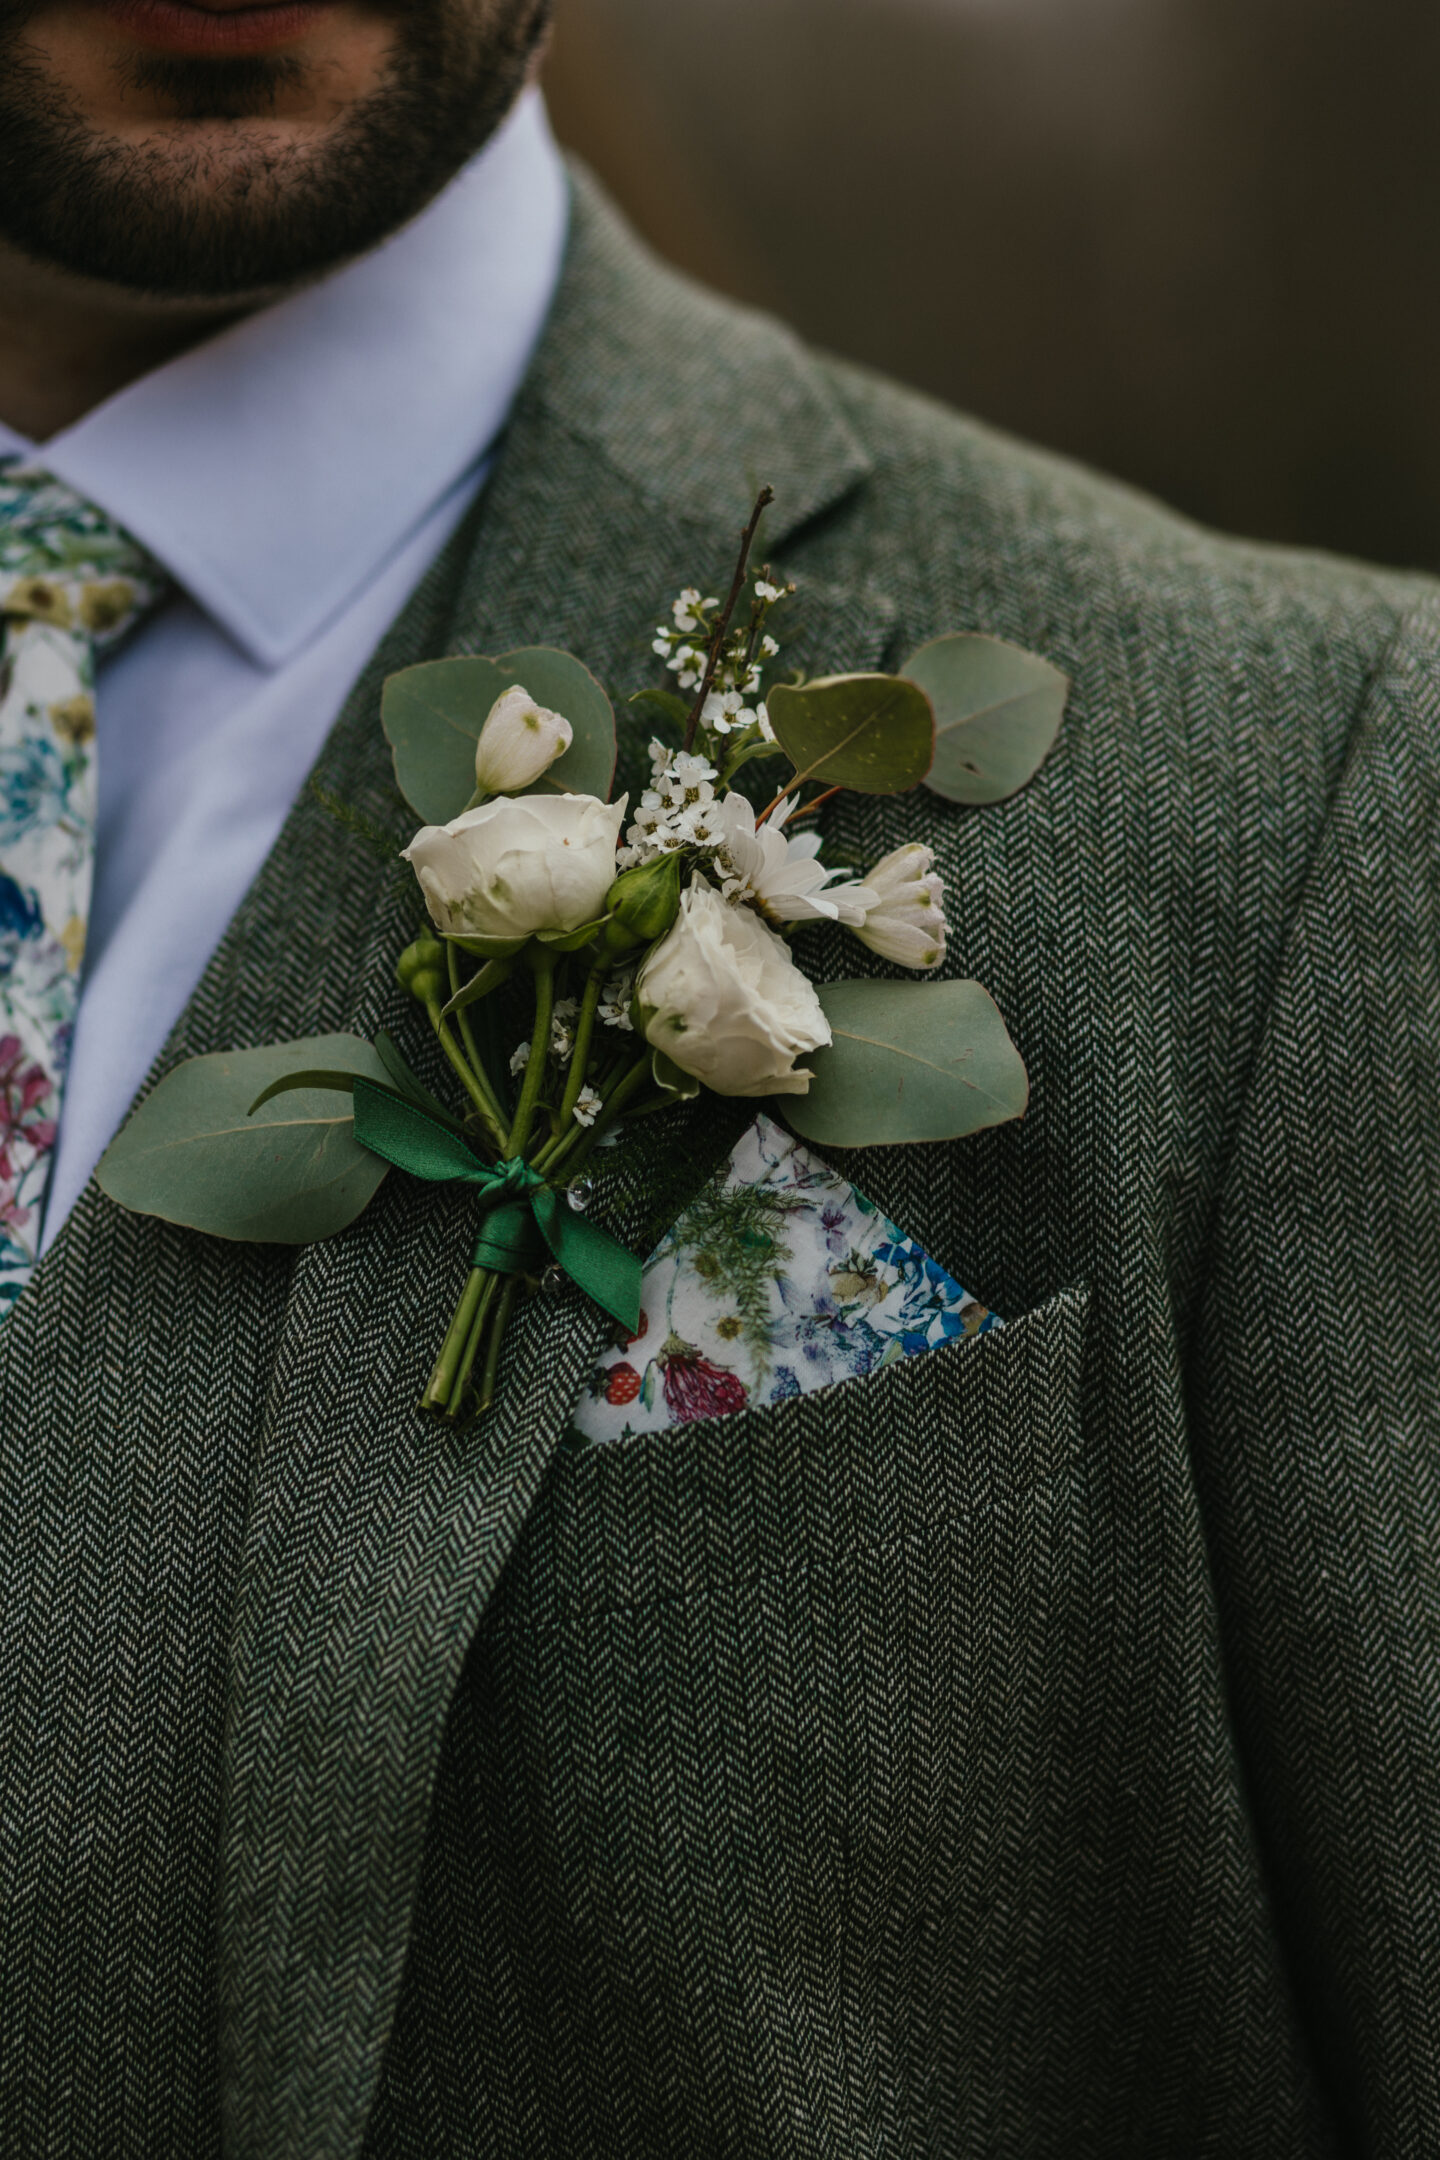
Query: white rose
[[727, 1003], [515, 866], [907, 923], [519, 741]]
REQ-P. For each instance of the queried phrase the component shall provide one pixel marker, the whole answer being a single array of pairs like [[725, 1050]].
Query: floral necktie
[[71, 585]]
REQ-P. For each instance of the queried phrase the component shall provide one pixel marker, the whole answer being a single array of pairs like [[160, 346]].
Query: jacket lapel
[[354, 1544]]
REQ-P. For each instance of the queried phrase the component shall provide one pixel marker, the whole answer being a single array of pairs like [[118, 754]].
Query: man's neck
[[67, 344]]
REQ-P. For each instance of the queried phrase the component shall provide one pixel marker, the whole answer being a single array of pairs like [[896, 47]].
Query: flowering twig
[[722, 627]]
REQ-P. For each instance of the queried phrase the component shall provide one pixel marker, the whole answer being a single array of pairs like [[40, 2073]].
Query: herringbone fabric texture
[[1028, 1750]]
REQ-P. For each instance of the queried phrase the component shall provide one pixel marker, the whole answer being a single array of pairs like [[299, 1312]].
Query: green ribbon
[[524, 1216]]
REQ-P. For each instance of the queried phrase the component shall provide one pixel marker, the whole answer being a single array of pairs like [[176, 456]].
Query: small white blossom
[[762, 715], [768, 647], [726, 709], [683, 790], [763, 591], [520, 1059], [519, 741], [614, 1007], [681, 796], [703, 826], [587, 1107], [690, 610], [683, 659], [562, 1029], [780, 876], [905, 920]]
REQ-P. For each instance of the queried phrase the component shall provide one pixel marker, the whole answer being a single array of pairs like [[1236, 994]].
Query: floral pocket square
[[778, 1279]]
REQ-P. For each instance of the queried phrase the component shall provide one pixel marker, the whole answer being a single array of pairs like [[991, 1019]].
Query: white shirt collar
[[275, 468]]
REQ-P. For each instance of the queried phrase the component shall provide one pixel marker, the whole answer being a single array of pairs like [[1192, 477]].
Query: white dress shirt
[[296, 475]]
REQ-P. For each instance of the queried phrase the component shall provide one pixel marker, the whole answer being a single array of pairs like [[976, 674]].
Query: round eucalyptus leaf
[[872, 733], [292, 1173], [997, 714], [432, 715], [910, 1062]]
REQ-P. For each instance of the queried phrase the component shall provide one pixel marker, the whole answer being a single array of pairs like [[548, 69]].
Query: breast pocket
[[811, 1488], [753, 1733]]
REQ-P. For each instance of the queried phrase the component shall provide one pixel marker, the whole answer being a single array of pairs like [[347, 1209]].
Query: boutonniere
[[591, 963]]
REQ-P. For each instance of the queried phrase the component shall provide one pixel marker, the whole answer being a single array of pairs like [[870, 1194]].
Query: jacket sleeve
[[1315, 1385]]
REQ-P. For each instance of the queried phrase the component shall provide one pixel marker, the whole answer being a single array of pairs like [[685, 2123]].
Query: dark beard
[[137, 217]]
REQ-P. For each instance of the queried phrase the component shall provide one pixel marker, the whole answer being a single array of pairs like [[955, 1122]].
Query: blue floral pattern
[[779, 1279], [71, 584]]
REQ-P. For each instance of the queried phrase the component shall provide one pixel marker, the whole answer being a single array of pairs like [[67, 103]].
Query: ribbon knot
[[515, 1178], [524, 1217]]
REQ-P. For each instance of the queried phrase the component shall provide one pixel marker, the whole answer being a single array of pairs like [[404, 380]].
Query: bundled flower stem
[[678, 936], [554, 1138]]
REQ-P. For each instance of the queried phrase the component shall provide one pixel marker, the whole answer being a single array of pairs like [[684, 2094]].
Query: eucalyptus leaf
[[872, 733], [910, 1062], [293, 1173], [432, 715], [338, 1083], [997, 714]]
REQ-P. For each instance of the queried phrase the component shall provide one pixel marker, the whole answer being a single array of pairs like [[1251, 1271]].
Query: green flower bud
[[422, 970], [642, 904]]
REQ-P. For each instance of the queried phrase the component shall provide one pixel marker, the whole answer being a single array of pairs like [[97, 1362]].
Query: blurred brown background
[[1193, 242]]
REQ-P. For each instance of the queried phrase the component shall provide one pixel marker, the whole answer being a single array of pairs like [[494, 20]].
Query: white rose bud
[[519, 741], [727, 1003], [512, 867], [907, 923]]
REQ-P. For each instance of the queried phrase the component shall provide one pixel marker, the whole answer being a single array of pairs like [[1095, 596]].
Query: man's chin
[[230, 188]]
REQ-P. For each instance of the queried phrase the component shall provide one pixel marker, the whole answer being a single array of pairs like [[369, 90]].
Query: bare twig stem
[[816, 802], [722, 627]]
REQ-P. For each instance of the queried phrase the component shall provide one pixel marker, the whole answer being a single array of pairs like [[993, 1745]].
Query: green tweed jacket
[[1028, 1750]]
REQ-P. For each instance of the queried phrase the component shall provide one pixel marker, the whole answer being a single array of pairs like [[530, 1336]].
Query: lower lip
[[172, 26]]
